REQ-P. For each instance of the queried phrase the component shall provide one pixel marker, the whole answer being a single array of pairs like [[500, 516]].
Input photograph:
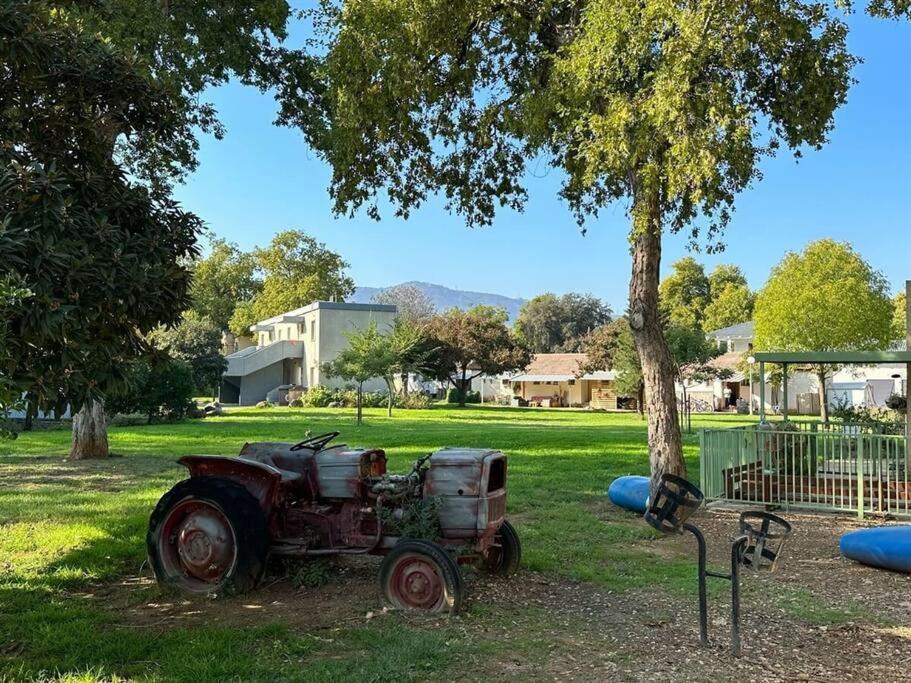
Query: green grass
[[67, 529]]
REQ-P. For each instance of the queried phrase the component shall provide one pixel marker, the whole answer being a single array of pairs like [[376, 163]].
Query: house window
[[313, 331], [301, 329], [312, 376]]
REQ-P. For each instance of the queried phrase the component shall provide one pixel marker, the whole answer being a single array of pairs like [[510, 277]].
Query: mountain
[[445, 298]]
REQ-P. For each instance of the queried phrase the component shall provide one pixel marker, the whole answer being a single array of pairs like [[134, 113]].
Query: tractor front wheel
[[505, 554], [421, 575], [208, 535]]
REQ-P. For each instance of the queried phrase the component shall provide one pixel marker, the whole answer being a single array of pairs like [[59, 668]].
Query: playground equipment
[[886, 547], [630, 492], [762, 536]]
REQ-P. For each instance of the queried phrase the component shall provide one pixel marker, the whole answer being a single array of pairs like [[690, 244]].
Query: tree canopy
[[296, 270], [826, 298], [684, 294], [731, 305], [413, 306], [467, 344], [900, 315], [197, 342], [221, 280], [549, 323], [102, 255]]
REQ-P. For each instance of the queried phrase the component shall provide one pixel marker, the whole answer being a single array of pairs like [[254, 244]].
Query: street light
[[752, 361]]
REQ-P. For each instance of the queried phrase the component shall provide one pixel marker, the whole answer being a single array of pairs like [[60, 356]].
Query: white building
[[291, 349], [850, 385]]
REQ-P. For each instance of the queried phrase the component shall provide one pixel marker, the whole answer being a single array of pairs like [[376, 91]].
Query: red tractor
[[215, 531]]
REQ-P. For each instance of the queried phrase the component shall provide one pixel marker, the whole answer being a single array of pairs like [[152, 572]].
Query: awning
[[606, 375]]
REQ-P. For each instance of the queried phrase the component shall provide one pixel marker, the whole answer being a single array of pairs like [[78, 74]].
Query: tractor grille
[[496, 507]]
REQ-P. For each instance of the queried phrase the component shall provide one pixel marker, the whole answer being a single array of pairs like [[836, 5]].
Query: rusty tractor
[[214, 532]]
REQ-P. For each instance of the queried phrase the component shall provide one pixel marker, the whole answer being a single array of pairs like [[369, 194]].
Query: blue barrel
[[630, 492], [887, 547]]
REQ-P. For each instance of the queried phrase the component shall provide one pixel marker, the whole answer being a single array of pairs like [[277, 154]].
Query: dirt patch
[[818, 618]]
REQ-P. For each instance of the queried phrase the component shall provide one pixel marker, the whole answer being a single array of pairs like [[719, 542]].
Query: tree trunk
[[90, 432], [664, 443], [405, 383], [463, 391], [360, 402], [390, 387], [823, 403]]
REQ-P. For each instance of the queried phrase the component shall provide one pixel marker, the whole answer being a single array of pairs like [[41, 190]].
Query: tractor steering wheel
[[315, 442]]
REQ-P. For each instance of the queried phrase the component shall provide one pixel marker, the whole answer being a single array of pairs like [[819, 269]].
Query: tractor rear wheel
[[505, 554], [208, 535], [421, 575]]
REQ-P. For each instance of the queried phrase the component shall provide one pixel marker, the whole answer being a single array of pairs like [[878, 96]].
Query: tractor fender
[[260, 479]]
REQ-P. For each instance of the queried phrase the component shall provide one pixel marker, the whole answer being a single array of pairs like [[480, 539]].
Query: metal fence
[[841, 467]]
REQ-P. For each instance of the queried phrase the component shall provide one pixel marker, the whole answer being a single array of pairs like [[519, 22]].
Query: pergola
[[833, 358]]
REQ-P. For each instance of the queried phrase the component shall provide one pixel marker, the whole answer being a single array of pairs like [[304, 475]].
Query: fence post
[[860, 476], [702, 467]]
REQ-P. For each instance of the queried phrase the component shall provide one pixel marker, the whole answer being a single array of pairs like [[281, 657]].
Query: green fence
[[841, 467]]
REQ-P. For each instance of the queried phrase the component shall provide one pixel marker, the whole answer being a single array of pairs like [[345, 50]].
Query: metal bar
[[784, 391], [736, 554], [762, 391], [703, 601], [860, 476]]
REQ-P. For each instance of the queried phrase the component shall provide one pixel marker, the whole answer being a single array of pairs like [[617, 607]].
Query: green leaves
[[827, 298], [658, 100]]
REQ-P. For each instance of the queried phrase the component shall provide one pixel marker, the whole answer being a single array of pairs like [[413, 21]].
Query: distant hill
[[445, 298]]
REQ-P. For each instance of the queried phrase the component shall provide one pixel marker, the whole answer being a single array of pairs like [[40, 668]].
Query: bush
[[452, 396], [265, 404], [373, 399], [413, 401], [157, 390], [318, 397]]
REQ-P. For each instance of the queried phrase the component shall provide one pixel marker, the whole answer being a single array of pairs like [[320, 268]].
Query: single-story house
[[555, 379]]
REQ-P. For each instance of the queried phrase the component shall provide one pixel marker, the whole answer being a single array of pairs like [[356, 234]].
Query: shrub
[[452, 396], [318, 397], [374, 399], [413, 401]]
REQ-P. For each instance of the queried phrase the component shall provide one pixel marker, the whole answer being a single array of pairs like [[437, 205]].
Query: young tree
[[468, 344], [157, 387], [369, 354], [826, 298], [102, 255], [666, 106], [550, 323], [413, 306], [296, 270], [197, 342], [221, 281]]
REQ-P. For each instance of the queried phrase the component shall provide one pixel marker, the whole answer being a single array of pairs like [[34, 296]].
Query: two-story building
[[291, 349]]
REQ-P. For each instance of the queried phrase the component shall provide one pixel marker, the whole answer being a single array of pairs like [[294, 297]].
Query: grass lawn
[[69, 531]]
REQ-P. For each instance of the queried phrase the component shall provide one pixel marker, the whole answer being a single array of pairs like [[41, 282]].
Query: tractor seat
[[286, 475]]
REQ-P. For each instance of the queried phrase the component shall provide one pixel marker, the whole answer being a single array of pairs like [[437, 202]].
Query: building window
[[312, 376], [313, 331]]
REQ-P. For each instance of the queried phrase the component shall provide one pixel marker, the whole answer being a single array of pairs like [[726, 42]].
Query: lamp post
[[752, 361]]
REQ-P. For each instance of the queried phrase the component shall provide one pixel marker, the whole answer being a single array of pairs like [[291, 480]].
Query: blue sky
[[261, 179]]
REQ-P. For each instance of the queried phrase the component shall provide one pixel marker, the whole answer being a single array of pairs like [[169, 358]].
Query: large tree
[[225, 277], [101, 254], [684, 294], [729, 306], [468, 344], [826, 298], [666, 106], [11, 293], [413, 306], [296, 270], [549, 323]]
